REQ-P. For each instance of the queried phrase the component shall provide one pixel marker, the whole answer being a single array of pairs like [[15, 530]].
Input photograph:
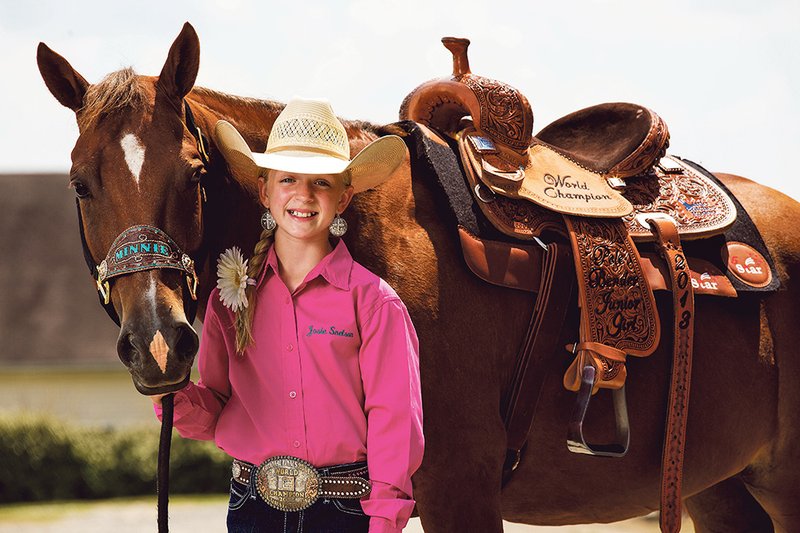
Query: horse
[[137, 162]]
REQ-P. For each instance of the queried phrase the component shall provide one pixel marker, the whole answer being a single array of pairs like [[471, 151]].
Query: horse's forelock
[[118, 90]]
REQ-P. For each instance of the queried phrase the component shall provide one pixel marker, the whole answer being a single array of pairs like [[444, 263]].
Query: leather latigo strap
[[538, 351], [618, 309], [683, 332]]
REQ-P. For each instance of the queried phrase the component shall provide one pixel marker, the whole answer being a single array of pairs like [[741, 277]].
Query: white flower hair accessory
[[232, 279]]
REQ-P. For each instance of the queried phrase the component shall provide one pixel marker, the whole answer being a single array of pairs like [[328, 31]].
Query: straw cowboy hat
[[307, 138]]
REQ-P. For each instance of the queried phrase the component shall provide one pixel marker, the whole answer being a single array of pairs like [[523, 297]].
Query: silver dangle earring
[[268, 222], [338, 227]]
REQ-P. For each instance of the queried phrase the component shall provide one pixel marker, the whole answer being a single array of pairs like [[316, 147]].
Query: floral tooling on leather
[[699, 206], [617, 305]]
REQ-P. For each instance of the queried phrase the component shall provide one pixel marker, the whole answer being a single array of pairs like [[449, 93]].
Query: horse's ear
[[63, 81], [180, 70]]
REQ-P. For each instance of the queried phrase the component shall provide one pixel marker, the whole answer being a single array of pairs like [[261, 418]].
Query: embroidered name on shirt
[[330, 331]]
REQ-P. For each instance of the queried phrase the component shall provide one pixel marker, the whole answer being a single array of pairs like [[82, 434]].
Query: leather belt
[[292, 484]]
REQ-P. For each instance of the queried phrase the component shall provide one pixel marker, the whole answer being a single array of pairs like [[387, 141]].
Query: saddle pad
[[699, 207], [743, 230]]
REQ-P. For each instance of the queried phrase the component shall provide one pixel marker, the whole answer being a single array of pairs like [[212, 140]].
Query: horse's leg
[[727, 507], [458, 486], [774, 477]]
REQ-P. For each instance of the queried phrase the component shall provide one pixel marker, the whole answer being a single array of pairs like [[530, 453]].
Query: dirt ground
[[207, 514]]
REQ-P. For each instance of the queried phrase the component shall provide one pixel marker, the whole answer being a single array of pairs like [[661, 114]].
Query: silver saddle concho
[[289, 483]]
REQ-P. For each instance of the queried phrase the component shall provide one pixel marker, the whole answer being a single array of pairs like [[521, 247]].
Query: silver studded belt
[[291, 484]]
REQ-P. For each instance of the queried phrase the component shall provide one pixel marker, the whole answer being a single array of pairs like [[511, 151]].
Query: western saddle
[[600, 179]]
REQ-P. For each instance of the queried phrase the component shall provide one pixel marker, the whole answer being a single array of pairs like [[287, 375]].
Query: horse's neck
[[253, 118], [232, 212]]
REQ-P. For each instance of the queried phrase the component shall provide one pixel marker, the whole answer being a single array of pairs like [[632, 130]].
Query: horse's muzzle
[[159, 361]]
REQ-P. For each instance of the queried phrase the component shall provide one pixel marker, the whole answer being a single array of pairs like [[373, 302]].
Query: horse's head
[[136, 163]]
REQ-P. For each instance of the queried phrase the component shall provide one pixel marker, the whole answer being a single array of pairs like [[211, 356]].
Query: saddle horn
[[458, 47], [499, 111]]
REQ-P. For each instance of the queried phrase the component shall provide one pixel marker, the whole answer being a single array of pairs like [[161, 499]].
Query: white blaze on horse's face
[[151, 297], [134, 155]]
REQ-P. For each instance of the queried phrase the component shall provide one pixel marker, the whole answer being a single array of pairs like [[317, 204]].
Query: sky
[[724, 75]]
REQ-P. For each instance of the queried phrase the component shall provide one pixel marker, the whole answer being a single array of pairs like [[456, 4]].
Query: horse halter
[[143, 247]]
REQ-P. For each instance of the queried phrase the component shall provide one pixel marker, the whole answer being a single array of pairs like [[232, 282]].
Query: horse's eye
[[80, 189]]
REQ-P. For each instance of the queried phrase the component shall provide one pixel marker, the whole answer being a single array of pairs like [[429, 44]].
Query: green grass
[[56, 510]]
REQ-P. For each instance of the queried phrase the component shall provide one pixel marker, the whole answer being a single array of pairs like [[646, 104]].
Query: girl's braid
[[244, 317]]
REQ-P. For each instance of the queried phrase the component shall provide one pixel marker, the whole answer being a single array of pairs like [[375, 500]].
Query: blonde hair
[[244, 317]]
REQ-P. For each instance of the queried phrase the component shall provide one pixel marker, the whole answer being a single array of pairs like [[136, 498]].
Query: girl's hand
[[156, 398]]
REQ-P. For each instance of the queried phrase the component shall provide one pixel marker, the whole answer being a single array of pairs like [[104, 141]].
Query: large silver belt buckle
[[288, 483]]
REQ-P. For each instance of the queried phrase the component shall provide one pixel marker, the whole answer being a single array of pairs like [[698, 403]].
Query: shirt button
[[289, 348], [292, 394], [296, 444]]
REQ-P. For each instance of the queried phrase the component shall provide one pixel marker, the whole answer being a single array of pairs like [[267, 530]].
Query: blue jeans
[[248, 513]]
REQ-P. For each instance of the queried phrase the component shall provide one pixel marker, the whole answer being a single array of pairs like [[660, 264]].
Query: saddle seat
[[618, 139]]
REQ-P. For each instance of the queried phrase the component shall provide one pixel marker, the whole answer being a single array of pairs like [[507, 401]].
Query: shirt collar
[[334, 267]]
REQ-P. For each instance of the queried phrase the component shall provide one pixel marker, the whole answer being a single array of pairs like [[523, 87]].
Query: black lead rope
[[162, 478], [167, 402]]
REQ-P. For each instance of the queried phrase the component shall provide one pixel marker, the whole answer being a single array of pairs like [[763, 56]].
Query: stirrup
[[576, 442]]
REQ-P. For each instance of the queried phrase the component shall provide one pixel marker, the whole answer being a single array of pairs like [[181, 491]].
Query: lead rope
[[167, 402], [162, 477]]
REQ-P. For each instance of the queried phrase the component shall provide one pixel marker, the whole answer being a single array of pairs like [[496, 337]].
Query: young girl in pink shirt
[[309, 374]]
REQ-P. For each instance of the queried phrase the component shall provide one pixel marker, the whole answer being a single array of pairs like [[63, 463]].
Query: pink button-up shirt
[[333, 378]]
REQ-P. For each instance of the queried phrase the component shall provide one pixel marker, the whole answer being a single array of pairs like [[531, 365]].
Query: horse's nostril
[[186, 343], [125, 348]]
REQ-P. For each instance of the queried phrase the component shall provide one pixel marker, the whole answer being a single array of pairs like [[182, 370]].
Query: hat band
[[306, 148]]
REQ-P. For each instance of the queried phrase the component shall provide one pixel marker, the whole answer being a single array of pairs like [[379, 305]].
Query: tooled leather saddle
[[594, 201]]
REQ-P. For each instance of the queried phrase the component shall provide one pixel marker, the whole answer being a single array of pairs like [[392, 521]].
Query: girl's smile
[[304, 205]]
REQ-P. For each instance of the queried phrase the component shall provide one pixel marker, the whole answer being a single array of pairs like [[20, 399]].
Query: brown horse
[[135, 162]]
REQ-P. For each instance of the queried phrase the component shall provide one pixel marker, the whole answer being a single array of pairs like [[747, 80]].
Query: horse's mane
[[275, 107], [123, 89], [118, 90], [246, 101]]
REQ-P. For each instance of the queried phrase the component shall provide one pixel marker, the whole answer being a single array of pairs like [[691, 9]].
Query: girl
[[309, 374]]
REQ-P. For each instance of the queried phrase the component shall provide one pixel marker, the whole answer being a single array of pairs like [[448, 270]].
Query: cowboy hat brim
[[372, 166]]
